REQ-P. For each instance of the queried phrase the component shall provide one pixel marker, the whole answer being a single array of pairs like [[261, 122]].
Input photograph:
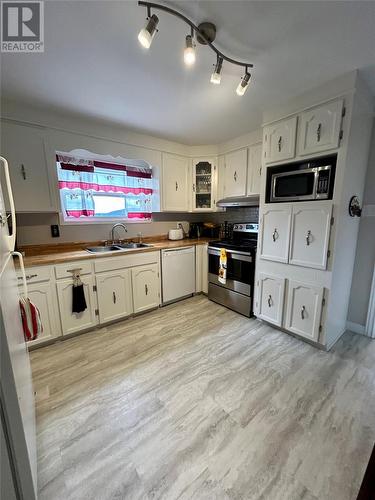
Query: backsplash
[[34, 229]]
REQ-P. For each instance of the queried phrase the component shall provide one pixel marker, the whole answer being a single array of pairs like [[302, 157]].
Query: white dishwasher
[[178, 273]]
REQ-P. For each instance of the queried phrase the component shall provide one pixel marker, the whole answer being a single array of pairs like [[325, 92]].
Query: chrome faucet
[[118, 224], [139, 238]]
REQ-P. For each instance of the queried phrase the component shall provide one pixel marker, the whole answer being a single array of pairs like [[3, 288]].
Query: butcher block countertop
[[38, 255]]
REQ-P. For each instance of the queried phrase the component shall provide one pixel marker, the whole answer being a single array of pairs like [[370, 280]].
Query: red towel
[[31, 322]]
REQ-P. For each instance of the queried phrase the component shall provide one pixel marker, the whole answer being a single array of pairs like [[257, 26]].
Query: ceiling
[[94, 65]]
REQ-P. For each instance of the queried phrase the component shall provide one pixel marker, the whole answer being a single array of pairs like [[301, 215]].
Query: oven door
[[240, 270], [294, 186]]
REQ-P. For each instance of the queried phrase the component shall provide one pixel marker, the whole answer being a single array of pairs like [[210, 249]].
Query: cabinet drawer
[[271, 298], [304, 308], [62, 270], [36, 274], [126, 260]]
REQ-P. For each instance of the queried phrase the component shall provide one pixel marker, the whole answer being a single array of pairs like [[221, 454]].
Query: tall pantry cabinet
[[306, 249]]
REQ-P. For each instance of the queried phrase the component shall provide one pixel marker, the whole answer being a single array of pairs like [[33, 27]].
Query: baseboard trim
[[356, 327]]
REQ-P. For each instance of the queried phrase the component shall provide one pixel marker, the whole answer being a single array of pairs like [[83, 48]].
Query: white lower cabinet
[[304, 308], [271, 298], [201, 268], [146, 286], [43, 295], [75, 322], [114, 295]]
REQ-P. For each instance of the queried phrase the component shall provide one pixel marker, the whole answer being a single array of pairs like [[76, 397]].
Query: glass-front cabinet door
[[204, 185]]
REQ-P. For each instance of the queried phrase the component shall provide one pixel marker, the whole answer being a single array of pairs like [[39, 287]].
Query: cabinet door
[[145, 284], [304, 309], [175, 183], [220, 182], [75, 322], [201, 268], [280, 140], [43, 295], [271, 298], [235, 173], [114, 295], [275, 232], [23, 147], [311, 225], [320, 128], [204, 185], [254, 169]]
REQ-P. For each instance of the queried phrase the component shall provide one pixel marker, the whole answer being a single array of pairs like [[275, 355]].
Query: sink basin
[[103, 249], [116, 248], [125, 246]]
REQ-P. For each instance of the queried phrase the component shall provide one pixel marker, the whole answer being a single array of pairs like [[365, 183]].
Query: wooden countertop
[[38, 255]]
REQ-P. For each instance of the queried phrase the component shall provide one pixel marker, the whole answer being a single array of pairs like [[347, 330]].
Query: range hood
[[239, 201]]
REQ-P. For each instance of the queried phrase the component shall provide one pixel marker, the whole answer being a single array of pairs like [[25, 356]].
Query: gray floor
[[195, 401]]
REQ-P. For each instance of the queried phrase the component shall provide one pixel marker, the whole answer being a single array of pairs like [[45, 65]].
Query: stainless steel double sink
[[117, 248]]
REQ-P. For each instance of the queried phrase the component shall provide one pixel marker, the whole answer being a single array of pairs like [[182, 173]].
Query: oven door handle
[[244, 256]]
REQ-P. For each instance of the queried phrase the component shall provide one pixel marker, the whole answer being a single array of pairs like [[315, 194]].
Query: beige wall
[[365, 256]]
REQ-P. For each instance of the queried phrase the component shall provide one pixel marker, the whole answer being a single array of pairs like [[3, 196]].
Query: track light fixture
[[244, 83], [147, 34], [205, 35], [216, 75], [189, 52]]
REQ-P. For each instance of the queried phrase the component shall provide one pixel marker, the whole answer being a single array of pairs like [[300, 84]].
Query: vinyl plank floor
[[193, 401]]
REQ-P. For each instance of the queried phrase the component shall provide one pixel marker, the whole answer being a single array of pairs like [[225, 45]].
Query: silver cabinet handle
[[269, 300], [319, 132], [303, 309], [279, 143], [176, 185], [28, 276], [260, 171], [275, 235], [114, 297], [235, 176], [146, 289], [308, 234], [23, 172]]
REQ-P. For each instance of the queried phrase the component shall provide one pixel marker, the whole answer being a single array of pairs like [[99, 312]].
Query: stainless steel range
[[238, 291]]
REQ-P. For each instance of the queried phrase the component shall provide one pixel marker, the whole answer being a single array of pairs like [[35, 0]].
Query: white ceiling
[[93, 63]]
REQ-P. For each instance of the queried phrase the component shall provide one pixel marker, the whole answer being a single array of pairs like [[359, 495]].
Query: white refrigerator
[[17, 408]]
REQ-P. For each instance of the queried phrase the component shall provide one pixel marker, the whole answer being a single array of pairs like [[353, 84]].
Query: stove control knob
[[235, 226], [240, 226]]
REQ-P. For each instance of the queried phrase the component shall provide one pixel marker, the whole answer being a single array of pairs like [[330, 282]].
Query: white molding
[[370, 321], [355, 327]]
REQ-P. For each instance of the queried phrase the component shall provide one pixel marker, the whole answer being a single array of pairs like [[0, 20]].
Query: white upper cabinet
[[319, 128], [114, 295], [254, 169], [311, 225], [24, 148], [204, 185], [275, 232], [304, 308], [235, 173], [146, 285], [279, 140], [176, 186], [271, 298]]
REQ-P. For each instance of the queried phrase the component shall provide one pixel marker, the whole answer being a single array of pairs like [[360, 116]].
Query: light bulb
[[147, 34], [216, 75], [244, 83], [189, 52]]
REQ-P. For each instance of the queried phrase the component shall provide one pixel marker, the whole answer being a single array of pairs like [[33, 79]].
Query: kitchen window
[[94, 190]]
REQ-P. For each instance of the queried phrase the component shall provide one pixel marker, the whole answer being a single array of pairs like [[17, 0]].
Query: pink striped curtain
[[91, 188]]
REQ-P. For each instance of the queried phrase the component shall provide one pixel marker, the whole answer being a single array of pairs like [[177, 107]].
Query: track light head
[[244, 83], [216, 75], [189, 52], [147, 34]]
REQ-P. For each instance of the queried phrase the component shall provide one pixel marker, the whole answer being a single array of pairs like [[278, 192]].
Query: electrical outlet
[[55, 231]]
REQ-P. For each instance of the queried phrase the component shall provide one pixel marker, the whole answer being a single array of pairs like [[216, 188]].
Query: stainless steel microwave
[[301, 184]]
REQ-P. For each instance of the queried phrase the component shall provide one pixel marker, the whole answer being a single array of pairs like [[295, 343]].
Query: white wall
[[365, 255]]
